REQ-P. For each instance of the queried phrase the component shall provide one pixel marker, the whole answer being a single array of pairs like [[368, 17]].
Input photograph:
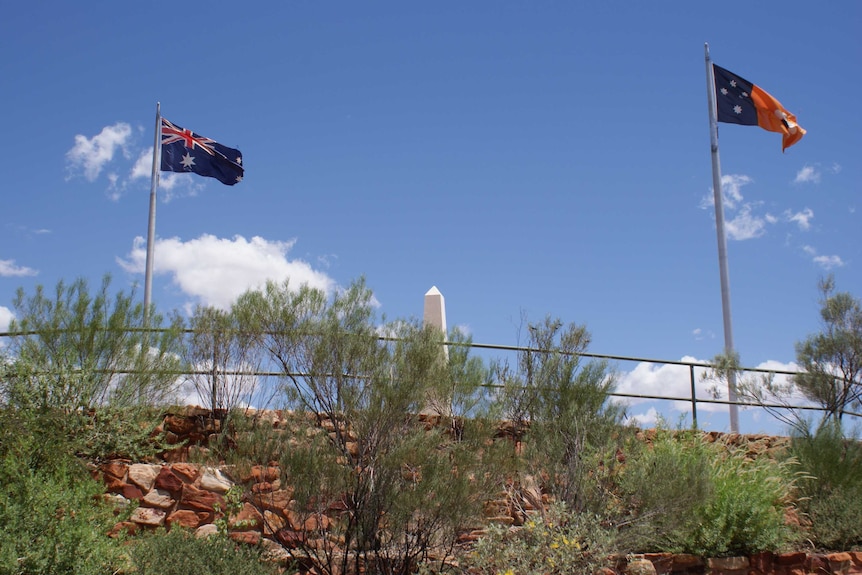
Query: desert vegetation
[[394, 451]]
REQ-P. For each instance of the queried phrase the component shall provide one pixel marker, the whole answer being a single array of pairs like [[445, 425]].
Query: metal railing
[[691, 399]]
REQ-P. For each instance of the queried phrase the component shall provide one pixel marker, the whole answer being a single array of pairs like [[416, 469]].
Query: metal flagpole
[[151, 231], [722, 240]]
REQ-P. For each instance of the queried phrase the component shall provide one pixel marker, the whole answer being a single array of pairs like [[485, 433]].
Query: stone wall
[[174, 492]]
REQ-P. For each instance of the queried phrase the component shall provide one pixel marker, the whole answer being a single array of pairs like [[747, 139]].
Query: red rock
[[277, 500], [200, 500], [168, 481], [640, 566], [839, 562], [186, 471], [178, 455], [259, 473], [186, 518], [797, 558], [663, 562], [683, 562], [290, 538], [179, 425], [130, 491], [262, 487], [248, 519], [115, 469], [248, 537], [114, 485], [272, 522], [727, 563], [762, 562], [294, 519], [816, 564]]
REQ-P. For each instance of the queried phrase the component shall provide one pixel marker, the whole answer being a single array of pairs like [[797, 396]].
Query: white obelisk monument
[[435, 309]]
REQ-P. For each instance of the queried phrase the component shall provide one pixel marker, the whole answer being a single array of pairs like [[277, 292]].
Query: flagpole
[[151, 231], [722, 240]]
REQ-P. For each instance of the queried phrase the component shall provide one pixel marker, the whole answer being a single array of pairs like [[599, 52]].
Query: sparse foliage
[[832, 359], [564, 404], [377, 488], [830, 485], [79, 350], [830, 362], [225, 358]]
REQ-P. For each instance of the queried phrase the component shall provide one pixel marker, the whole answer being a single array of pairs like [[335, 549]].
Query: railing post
[[693, 398]]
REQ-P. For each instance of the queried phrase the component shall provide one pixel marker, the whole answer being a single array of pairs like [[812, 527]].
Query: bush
[[688, 496], [830, 486], [52, 522], [563, 543], [746, 512], [179, 552]]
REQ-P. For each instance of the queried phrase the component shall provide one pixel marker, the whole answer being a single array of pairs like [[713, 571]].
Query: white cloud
[[731, 195], [829, 262], [9, 269], [741, 222], [644, 420], [745, 225], [92, 154], [826, 262], [808, 174], [6, 317], [143, 167], [667, 380], [730, 188], [802, 219], [215, 271], [781, 382], [671, 380], [699, 334]]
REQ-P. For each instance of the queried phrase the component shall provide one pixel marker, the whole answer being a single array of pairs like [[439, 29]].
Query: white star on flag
[[188, 161]]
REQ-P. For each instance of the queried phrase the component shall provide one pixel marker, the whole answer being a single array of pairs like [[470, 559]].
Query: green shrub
[[179, 552], [52, 521], [662, 486], [830, 486], [745, 513], [688, 496], [563, 543]]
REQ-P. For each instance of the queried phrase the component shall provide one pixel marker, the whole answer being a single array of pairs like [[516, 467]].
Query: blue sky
[[525, 158]]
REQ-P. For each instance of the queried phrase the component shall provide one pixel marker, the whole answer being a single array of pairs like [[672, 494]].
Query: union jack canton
[[185, 151]]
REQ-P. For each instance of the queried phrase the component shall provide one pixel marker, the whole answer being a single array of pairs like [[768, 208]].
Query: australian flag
[[185, 151]]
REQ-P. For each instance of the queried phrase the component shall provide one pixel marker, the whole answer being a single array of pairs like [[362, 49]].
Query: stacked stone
[[166, 495]]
